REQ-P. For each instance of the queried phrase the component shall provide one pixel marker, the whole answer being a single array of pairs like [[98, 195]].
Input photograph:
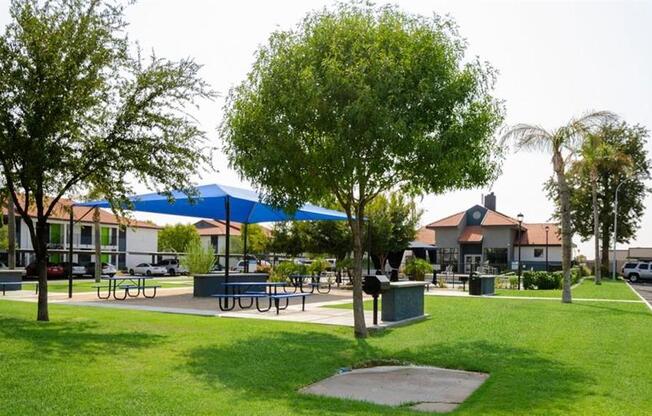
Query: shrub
[[441, 281], [282, 271], [417, 269], [199, 259], [263, 268], [318, 265], [542, 280], [513, 282]]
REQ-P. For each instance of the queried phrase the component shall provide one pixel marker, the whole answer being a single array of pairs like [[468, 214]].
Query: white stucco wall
[[140, 240], [527, 253]]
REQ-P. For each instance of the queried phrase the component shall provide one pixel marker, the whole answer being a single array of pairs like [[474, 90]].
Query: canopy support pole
[[227, 249], [71, 224], [246, 262]]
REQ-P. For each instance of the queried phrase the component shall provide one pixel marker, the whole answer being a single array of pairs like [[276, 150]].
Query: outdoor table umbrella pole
[[71, 224], [227, 249]]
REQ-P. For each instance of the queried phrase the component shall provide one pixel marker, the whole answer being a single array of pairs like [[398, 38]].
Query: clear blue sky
[[556, 60]]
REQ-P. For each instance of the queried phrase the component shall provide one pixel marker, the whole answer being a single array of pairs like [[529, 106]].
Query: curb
[[639, 295]]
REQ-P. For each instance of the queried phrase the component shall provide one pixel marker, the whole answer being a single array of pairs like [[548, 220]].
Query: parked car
[[172, 266], [107, 269], [253, 264], [147, 269], [77, 269], [55, 271], [639, 270]]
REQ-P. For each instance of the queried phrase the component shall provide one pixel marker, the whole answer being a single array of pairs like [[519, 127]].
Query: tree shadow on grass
[[273, 367], [71, 338]]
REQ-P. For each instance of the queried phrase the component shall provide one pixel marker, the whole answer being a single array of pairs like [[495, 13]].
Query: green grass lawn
[[587, 289], [87, 285], [544, 358]]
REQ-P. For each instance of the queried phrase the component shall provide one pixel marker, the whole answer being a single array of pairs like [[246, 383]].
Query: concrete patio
[[181, 301]]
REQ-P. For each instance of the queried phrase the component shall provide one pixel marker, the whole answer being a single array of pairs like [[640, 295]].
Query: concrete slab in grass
[[428, 389]]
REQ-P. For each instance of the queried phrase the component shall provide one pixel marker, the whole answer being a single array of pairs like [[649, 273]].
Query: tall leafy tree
[[177, 237], [257, 239], [624, 162], [80, 110], [560, 143], [287, 238], [393, 222], [359, 100]]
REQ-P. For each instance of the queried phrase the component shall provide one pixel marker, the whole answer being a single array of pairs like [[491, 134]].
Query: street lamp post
[[613, 270], [547, 229], [520, 222]]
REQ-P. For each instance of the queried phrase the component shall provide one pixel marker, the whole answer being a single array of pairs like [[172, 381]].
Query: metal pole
[[71, 224], [546, 249], [246, 262], [519, 255], [227, 249], [11, 232], [613, 267], [369, 247]]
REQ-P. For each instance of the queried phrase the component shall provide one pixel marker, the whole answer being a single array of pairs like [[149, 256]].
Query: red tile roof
[[451, 221], [61, 212], [492, 218], [535, 235], [426, 235], [471, 234]]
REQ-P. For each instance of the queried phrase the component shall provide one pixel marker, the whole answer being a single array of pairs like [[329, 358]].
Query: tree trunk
[[566, 232], [98, 245], [360, 328], [597, 265], [606, 243], [41, 250]]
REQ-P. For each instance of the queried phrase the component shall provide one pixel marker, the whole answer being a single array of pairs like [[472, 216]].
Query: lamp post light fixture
[[520, 223], [547, 229]]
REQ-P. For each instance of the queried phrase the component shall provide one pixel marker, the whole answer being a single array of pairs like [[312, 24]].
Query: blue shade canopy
[[246, 206]]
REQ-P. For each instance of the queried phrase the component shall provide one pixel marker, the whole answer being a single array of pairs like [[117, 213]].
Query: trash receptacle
[[475, 284]]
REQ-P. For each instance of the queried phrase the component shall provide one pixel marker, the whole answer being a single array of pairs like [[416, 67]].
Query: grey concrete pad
[[428, 389]]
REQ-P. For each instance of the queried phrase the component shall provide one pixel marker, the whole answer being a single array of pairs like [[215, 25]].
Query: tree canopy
[[358, 100], [626, 163], [177, 237], [81, 109], [393, 222]]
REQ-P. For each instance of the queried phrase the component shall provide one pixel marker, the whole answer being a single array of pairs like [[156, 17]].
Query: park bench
[[223, 299], [5, 284], [287, 296], [129, 287]]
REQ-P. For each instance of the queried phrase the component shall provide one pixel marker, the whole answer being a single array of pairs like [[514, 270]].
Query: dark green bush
[[542, 280]]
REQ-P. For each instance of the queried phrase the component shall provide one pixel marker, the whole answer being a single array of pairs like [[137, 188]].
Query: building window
[[538, 253], [86, 234], [496, 257], [449, 257]]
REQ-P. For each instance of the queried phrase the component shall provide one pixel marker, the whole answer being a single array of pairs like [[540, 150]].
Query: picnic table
[[254, 291], [127, 283], [18, 283], [298, 282]]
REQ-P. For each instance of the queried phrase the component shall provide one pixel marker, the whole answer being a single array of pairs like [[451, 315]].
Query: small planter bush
[[198, 259], [542, 280], [417, 269], [318, 266]]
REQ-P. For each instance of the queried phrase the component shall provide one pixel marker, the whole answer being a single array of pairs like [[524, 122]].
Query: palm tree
[[592, 153], [564, 139]]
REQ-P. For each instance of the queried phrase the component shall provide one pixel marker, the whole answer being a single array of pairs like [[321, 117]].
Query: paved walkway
[[181, 301]]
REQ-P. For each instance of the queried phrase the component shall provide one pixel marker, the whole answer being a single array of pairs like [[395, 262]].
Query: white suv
[[635, 271], [172, 266]]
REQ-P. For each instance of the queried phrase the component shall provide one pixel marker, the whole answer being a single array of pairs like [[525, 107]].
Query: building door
[[472, 262]]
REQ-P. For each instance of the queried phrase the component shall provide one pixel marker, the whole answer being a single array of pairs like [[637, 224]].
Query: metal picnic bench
[[266, 290], [135, 282], [5, 284], [298, 281]]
